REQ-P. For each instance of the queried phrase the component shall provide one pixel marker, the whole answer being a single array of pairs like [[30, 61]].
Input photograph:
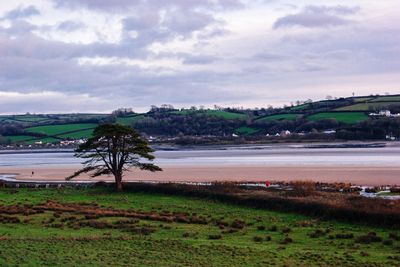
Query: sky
[[100, 55]]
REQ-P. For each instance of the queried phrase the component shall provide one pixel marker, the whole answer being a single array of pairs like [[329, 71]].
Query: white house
[[385, 113]]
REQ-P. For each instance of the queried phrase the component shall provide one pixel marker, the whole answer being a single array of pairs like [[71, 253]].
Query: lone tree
[[114, 149]]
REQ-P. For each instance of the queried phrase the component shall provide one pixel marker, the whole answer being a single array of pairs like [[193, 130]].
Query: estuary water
[[268, 155]]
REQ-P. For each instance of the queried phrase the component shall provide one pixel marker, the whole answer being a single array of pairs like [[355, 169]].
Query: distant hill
[[348, 117]]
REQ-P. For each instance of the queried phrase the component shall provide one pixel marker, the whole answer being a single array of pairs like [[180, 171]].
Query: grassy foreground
[[91, 227]]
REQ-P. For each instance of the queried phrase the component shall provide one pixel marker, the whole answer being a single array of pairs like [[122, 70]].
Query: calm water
[[264, 156]]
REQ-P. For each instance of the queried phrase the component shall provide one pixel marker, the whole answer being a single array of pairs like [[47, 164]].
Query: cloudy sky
[[98, 55]]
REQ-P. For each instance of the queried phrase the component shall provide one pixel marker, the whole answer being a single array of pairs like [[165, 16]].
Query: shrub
[[388, 242], [394, 236], [9, 219], [182, 219], [286, 240], [303, 188], [57, 225], [258, 239], [273, 228], [369, 238], [214, 237], [130, 221], [317, 233], [91, 216], [198, 220], [304, 223], [286, 230], [230, 231], [238, 224], [261, 227], [221, 222], [345, 236], [141, 230], [69, 218]]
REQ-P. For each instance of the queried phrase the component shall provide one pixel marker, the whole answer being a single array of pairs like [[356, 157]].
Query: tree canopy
[[114, 149]]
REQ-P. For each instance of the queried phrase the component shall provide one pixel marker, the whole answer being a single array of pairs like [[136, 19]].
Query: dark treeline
[[372, 129], [11, 128], [163, 123]]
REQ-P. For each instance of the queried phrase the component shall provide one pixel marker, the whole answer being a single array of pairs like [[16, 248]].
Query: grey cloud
[[199, 59], [267, 57], [339, 10], [18, 27], [70, 26], [148, 22], [22, 12], [53, 66], [151, 27], [142, 22], [186, 22], [213, 33], [123, 5], [258, 67], [317, 16]]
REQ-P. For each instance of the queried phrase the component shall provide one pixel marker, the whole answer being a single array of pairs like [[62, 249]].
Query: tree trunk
[[118, 182]]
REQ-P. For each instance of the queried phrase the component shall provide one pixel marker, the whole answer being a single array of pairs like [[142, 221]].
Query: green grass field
[[128, 121], [226, 114], [362, 99], [300, 107], [96, 227], [278, 117], [85, 134], [368, 106], [246, 130], [394, 98], [345, 117], [29, 118], [19, 138], [53, 130]]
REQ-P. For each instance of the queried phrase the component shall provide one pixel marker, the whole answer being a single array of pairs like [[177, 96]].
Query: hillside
[[348, 118]]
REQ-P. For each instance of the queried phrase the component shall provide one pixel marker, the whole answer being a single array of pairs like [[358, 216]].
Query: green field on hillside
[[278, 117], [128, 121], [370, 106], [226, 114], [300, 107], [96, 227], [394, 98], [85, 134], [362, 99], [53, 130], [345, 117], [29, 118], [19, 138], [246, 130]]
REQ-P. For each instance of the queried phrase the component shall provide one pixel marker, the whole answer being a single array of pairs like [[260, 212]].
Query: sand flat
[[360, 175]]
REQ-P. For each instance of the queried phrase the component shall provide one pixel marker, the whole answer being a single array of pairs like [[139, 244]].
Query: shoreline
[[256, 146], [357, 175]]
